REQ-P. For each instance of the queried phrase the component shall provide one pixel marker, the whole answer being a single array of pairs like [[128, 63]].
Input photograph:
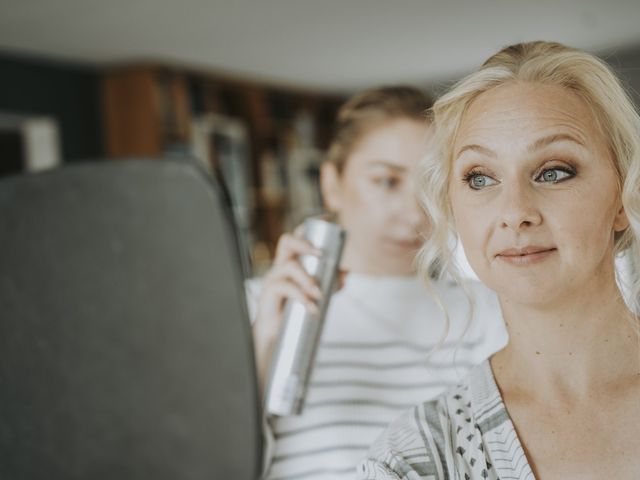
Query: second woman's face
[[534, 193], [375, 198]]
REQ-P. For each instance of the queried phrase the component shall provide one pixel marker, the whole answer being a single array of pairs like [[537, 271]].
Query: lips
[[525, 255], [520, 252]]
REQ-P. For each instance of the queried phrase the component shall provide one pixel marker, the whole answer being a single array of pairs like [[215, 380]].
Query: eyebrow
[[548, 140], [538, 144], [383, 163], [477, 148]]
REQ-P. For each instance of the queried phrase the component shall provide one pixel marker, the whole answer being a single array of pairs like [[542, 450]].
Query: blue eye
[[554, 175], [478, 181]]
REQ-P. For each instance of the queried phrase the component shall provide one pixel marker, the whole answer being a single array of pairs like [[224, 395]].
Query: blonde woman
[[536, 166], [382, 324]]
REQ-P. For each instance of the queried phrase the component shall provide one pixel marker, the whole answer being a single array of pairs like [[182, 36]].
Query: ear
[[621, 222], [331, 187]]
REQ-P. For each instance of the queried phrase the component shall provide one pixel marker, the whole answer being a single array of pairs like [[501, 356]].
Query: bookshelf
[[266, 140]]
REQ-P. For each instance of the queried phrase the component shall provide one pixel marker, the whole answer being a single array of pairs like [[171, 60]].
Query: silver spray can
[[295, 350]]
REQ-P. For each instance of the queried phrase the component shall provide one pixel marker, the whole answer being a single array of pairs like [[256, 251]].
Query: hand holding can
[[294, 353]]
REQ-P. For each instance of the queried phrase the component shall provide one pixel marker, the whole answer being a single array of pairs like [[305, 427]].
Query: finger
[[290, 246], [269, 316], [293, 272], [291, 291]]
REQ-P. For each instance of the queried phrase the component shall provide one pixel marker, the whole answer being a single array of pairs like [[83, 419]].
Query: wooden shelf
[[145, 110], [149, 110]]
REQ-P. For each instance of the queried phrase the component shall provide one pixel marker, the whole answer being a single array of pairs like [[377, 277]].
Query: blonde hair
[[544, 63], [370, 109]]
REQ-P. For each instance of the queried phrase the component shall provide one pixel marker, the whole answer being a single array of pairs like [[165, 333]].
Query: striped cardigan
[[465, 433]]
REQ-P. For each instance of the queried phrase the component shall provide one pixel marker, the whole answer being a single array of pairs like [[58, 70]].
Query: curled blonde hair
[[545, 63]]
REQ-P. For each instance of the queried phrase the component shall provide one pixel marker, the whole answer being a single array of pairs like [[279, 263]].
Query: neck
[[568, 348]]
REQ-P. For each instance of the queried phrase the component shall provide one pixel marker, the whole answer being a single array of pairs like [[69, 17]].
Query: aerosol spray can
[[295, 350]]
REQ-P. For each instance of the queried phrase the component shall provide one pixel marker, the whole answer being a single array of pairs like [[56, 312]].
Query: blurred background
[[250, 89]]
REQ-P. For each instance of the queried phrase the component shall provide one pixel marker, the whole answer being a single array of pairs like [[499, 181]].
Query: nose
[[519, 209], [416, 217], [412, 210]]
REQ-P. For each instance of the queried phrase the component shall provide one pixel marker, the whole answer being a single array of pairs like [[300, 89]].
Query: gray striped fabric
[[375, 361], [348, 407], [465, 433]]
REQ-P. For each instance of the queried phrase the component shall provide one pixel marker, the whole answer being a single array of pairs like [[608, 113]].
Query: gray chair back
[[125, 347]]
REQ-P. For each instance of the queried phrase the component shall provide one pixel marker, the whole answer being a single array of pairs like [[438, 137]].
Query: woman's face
[[534, 193], [375, 198]]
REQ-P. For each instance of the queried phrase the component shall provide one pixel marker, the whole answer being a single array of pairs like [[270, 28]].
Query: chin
[[532, 293]]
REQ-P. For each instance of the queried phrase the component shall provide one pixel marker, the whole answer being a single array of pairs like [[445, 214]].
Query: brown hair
[[369, 109]]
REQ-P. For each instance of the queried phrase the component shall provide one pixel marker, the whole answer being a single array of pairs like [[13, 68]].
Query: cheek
[[590, 231], [361, 211], [355, 200], [373, 200], [589, 217]]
